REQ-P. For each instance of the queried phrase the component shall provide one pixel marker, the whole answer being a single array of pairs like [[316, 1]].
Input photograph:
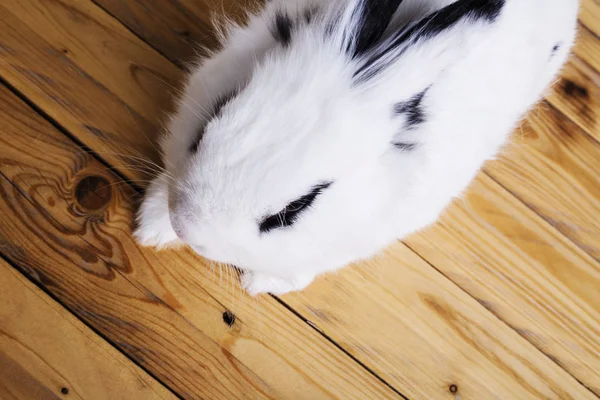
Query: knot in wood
[[93, 193]]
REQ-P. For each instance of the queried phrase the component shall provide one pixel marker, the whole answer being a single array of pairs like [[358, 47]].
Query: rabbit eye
[[290, 213]]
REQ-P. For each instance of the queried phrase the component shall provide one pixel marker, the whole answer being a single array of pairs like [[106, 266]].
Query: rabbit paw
[[153, 224], [257, 282]]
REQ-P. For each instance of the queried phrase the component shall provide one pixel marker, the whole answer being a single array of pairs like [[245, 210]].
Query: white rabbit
[[325, 130]]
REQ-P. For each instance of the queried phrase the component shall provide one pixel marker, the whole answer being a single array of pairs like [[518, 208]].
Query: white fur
[[299, 120]]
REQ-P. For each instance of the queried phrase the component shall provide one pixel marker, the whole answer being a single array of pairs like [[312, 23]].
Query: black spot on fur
[[405, 146], [282, 28], [291, 212], [555, 49], [375, 18], [309, 14], [427, 28], [412, 110], [215, 112]]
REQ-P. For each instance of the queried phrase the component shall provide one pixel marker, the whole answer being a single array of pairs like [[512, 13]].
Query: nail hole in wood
[[229, 318], [93, 192], [453, 389], [64, 390]]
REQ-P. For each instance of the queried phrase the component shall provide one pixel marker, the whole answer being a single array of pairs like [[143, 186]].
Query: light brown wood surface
[[76, 242], [45, 352], [180, 30], [501, 299]]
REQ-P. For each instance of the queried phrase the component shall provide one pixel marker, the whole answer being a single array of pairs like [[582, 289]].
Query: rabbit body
[[325, 130]]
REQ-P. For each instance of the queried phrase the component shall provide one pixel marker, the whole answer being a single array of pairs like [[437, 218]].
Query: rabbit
[[323, 131]]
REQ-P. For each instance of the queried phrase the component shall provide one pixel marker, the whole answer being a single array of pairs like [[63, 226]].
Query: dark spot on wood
[[96, 132], [93, 192], [453, 389], [186, 35], [64, 390], [488, 305], [229, 318], [65, 51], [237, 270], [574, 90], [51, 202]]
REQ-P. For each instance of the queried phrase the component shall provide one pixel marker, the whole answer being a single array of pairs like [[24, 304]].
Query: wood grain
[[179, 29], [577, 96], [45, 352], [396, 311], [587, 46], [523, 271], [82, 251], [165, 310], [85, 69], [358, 323], [552, 166]]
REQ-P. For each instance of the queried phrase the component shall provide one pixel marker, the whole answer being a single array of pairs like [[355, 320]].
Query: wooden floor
[[499, 300]]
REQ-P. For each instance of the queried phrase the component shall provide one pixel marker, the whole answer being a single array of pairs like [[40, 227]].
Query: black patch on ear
[[375, 18], [475, 10], [291, 212], [309, 14], [428, 27], [412, 110], [405, 146], [282, 28], [215, 112]]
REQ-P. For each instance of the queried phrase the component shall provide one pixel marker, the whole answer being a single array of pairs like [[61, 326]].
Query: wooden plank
[[454, 341], [552, 166], [179, 29], [587, 47], [395, 363], [45, 352], [589, 15], [523, 271], [577, 96], [67, 224], [414, 314], [89, 69]]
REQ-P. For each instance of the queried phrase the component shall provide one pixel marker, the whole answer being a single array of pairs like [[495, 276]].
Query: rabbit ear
[[371, 21], [431, 44], [355, 26]]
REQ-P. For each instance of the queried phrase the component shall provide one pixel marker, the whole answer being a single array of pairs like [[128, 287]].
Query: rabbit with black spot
[[323, 131]]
